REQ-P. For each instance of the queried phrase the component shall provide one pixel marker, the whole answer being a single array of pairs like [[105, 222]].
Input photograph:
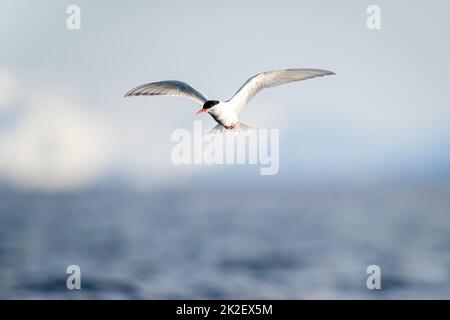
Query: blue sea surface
[[178, 244]]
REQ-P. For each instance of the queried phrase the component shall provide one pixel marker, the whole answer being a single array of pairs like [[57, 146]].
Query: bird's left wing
[[168, 88], [270, 79]]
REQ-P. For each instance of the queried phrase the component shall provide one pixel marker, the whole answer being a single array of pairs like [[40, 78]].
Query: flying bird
[[226, 112]]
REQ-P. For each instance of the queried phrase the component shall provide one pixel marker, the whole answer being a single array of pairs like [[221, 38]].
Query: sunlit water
[[267, 244]]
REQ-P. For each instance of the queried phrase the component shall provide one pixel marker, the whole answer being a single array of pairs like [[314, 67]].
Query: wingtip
[[324, 72]]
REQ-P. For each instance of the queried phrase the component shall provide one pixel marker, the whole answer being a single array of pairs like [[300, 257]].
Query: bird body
[[226, 112]]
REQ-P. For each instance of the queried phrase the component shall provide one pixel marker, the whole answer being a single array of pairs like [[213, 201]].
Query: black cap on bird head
[[207, 105]]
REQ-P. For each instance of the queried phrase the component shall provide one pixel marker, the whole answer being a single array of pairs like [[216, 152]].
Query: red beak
[[201, 111]]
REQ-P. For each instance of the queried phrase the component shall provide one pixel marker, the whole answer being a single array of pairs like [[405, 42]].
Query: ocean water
[[289, 244]]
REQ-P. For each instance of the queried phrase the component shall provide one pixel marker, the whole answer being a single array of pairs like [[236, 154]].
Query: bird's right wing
[[168, 88], [270, 79]]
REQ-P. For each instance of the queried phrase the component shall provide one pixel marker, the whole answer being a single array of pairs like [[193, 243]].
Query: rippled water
[[266, 244]]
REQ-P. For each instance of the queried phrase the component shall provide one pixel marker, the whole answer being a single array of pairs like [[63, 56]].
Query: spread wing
[[168, 88], [270, 79]]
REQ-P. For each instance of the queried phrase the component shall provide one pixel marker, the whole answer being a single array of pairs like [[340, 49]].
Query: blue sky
[[64, 123]]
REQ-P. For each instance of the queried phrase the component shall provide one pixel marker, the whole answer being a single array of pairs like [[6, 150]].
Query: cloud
[[54, 146], [8, 88]]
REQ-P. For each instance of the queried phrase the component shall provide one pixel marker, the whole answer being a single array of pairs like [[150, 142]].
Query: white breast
[[224, 114]]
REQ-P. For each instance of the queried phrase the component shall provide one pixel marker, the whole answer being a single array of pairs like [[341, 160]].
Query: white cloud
[[8, 88], [54, 146]]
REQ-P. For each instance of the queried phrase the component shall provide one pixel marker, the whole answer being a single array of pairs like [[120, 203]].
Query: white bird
[[226, 112]]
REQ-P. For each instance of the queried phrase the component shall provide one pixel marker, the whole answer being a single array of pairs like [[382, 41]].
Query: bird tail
[[239, 128], [245, 126]]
